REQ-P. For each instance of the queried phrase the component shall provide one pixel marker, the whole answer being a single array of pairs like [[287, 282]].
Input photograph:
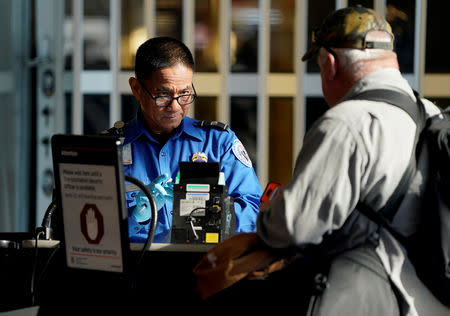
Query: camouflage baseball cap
[[347, 28]]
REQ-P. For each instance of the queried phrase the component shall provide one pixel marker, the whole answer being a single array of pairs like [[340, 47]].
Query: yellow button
[[212, 237]]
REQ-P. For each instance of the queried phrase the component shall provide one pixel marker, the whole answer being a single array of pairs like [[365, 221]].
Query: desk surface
[[133, 246]]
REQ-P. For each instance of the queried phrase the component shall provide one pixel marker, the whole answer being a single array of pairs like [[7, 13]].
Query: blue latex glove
[[161, 190]]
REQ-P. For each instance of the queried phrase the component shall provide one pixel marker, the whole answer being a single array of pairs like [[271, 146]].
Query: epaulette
[[116, 130], [212, 124]]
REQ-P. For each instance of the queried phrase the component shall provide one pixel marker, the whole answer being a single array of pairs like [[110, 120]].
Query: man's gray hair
[[353, 60]]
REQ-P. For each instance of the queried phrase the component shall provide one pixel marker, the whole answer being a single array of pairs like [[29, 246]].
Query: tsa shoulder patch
[[240, 153]]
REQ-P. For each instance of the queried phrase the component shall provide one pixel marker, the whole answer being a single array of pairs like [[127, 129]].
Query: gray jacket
[[358, 150]]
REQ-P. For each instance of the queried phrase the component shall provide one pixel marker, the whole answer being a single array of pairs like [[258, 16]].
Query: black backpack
[[429, 248]]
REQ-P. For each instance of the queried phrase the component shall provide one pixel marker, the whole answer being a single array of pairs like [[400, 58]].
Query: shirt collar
[[388, 78], [189, 128], [132, 130], [136, 128]]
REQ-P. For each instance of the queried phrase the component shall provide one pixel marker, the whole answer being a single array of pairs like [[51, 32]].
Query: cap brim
[[312, 51]]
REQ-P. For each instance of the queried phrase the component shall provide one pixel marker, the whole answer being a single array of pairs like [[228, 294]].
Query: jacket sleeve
[[324, 189], [242, 182]]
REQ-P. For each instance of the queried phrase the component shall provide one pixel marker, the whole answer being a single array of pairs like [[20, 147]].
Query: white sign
[[91, 217]]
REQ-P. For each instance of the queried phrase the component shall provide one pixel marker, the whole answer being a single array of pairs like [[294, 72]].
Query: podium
[[163, 278]]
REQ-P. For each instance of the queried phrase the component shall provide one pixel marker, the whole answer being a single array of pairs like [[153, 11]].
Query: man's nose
[[173, 104]]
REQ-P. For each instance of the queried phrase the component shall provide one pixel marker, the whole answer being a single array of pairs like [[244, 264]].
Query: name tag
[[126, 155]]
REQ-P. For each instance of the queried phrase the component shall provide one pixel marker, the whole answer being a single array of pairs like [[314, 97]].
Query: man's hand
[[161, 190], [268, 204]]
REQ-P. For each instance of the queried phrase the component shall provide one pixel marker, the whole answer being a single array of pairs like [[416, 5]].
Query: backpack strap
[[416, 111]]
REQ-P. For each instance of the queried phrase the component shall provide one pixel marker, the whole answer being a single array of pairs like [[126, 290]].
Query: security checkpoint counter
[[162, 279]]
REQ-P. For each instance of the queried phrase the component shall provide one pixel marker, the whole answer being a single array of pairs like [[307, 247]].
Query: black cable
[[48, 214], [191, 220], [45, 226], [196, 209], [45, 230], [44, 268], [133, 274], [153, 219], [34, 267]]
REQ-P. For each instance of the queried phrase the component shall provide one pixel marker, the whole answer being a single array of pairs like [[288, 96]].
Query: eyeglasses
[[165, 100]]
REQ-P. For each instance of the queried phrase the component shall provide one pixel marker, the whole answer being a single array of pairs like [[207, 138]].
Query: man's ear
[[330, 67], [135, 87]]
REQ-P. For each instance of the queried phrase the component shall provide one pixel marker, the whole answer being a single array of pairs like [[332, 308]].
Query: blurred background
[[64, 68]]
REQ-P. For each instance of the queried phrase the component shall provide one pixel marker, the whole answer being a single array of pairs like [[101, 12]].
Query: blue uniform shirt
[[145, 159]]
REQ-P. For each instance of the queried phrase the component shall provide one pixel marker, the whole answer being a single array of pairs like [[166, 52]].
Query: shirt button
[[163, 154]]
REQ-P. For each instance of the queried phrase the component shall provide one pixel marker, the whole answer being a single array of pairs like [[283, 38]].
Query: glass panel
[[317, 11], [401, 15], [68, 98], [206, 108], [280, 140], [18, 182], [437, 45], [364, 3], [130, 106], [282, 25], [315, 107], [134, 32], [244, 36], [169, 18], [68, 35], [11, 146], [206, 35], [243, 123], [96, 113], [96, 34]]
